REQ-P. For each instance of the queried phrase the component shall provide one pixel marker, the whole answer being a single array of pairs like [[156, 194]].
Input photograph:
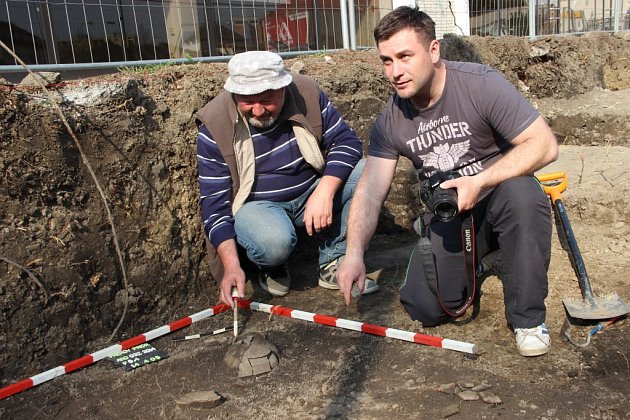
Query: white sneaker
[[533, 341]]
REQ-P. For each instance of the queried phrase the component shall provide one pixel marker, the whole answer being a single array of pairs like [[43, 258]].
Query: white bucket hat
[[254, 72]]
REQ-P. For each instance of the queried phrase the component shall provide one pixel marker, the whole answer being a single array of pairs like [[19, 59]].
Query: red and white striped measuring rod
[[109, 351], [256, 306], [332, 321]]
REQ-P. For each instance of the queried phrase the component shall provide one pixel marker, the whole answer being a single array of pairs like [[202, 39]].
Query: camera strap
[[428, 265]]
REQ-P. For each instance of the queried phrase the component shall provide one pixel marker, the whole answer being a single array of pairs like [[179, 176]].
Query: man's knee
[[523, 197], [354, 176], [522, 190], [358, 169], [268, 244], [425, 309], [271, 251], [420, 313]]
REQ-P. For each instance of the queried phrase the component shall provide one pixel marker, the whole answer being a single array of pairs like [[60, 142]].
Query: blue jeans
[[267, 229]]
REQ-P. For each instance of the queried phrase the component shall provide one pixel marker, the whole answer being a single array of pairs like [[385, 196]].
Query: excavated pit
[[138, 132]]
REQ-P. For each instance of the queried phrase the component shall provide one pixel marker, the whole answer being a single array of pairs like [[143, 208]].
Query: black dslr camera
[[442, 202]]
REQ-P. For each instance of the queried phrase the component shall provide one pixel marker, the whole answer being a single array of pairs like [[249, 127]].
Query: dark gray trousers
[[516, 219]]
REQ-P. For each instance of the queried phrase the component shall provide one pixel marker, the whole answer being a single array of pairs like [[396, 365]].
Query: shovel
[[591, 306]]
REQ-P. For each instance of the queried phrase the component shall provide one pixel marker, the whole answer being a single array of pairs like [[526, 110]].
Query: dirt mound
[[62, 292], [551, 66]]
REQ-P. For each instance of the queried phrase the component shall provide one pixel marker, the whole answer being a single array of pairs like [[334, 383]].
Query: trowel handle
[[554, 185], [235, 309]]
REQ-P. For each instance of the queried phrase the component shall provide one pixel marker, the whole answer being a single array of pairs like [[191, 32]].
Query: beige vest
[[231, 132]]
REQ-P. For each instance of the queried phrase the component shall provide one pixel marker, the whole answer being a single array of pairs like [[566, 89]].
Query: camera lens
[[442, 202], [445, 211], [445, 204]]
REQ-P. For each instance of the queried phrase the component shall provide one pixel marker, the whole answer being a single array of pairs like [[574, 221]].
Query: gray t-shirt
[[467, 129]]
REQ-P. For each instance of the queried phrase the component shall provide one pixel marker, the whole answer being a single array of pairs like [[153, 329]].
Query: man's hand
[[318, 211], [468, 191], [534, 148], [233, 274], [351, 271], [367, 201], [232, 278]]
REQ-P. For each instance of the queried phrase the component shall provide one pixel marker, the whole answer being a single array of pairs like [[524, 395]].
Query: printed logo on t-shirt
[[440, 144], [445, 156]]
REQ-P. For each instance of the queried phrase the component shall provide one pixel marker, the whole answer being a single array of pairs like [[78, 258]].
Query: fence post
[[617, 11], [531, 5], [343, 9], [352, 24]]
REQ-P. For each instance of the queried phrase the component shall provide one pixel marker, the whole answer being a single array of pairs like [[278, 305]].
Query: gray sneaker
[[328, 278], [276, 281]]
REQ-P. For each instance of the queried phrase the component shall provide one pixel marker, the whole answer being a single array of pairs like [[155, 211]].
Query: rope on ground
[[96, 182], [30, 274], [565, 332]]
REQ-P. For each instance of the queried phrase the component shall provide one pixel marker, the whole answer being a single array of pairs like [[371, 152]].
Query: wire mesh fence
[[90, 31], [62, 32], [511, 17]]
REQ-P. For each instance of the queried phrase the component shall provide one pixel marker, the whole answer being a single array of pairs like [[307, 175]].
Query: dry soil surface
[[137, 130]]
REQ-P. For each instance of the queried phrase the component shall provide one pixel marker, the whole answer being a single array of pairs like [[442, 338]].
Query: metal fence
[[120, 31], [510, 17], [57, 34]]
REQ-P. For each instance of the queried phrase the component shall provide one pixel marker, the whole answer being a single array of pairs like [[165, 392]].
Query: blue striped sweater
[[281, 172]]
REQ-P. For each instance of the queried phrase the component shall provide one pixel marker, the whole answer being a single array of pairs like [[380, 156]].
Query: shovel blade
[[601, 307]]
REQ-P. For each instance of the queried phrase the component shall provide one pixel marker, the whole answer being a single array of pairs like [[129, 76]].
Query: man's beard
[[261, 124]]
